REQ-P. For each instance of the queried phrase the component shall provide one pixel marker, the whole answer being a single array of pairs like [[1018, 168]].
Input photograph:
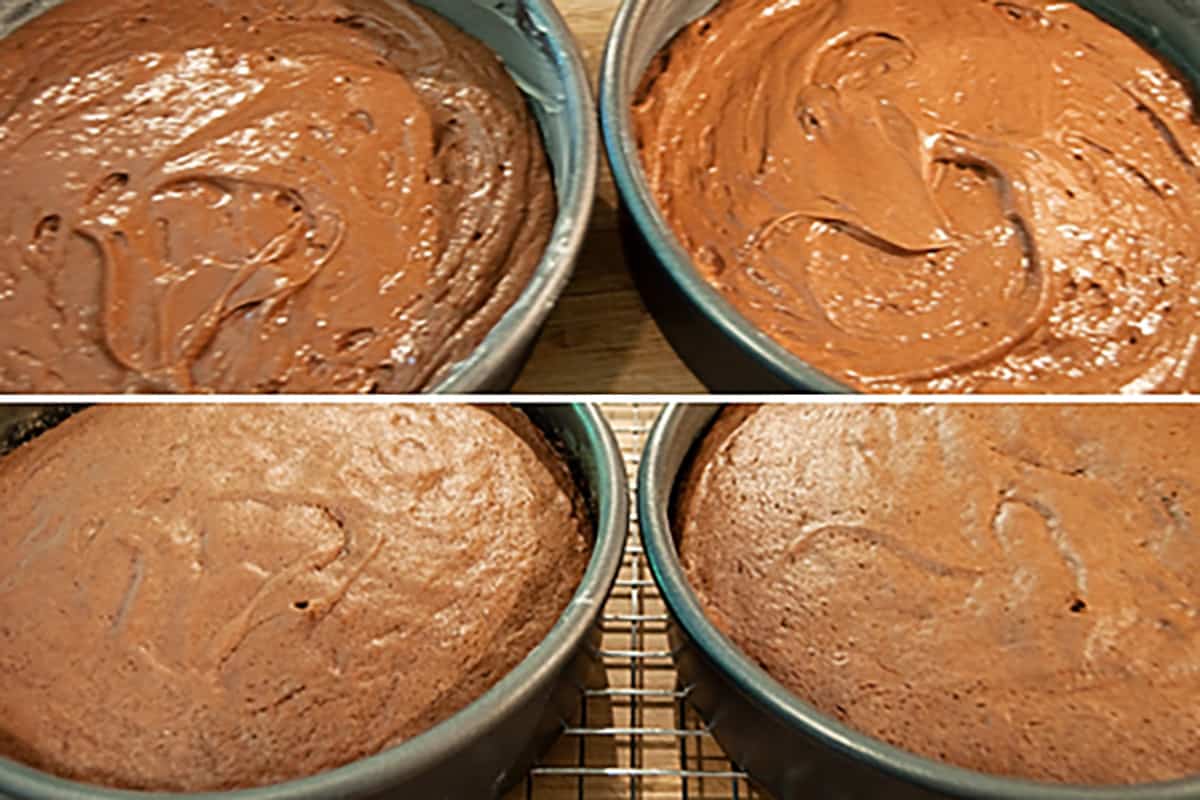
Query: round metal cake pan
[[717, 342], [541, 54], [783, 743], [488, 746], [543, 57], [727, 352]]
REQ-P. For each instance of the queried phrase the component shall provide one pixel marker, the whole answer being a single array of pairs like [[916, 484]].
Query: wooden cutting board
[[590, 21], [600, 339]]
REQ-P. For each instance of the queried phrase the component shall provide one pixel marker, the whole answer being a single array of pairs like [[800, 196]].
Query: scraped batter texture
[[937, 195], [212, 597], [287, 195], [1014, 590]]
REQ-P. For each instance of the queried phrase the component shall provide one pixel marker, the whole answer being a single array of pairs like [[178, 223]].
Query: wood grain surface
[[600, 339]]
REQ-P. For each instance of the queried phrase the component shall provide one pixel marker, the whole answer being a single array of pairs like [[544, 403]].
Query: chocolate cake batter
[[210, 597], [270, 195], [937, 195], [1014, 590]]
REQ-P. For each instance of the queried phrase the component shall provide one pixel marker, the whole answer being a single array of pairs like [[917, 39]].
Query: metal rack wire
[[637, 737]]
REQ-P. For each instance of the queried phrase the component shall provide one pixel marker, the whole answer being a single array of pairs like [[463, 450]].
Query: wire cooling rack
[[636, 738]]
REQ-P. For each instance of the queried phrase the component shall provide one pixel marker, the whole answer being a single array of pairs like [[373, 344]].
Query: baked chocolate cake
[[215, 597], [1011, 589]]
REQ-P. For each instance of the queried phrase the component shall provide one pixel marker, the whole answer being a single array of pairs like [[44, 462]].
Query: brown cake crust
[[1011, 589], [214, 597]]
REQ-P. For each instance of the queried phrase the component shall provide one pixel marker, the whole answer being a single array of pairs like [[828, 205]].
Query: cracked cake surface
[[214, 597], [1012, 589]]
